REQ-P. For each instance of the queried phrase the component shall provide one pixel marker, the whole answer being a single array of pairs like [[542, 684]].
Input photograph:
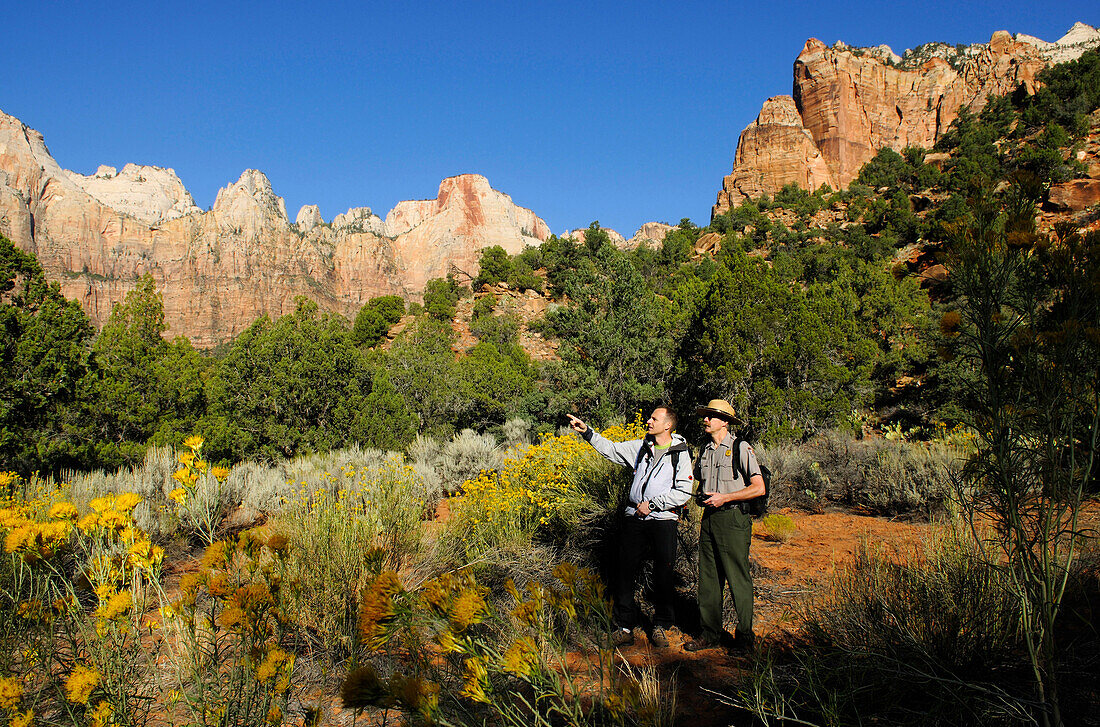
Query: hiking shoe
[[699, 644], [658, 637], [744, 642], [622, 637]]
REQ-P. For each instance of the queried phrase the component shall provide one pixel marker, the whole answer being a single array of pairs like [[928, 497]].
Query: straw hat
[[720, 408]]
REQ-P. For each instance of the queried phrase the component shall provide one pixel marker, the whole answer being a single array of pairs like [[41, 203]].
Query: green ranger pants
[[724, 558]]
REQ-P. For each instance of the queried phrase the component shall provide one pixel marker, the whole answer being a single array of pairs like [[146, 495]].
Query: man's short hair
[[670, 413]]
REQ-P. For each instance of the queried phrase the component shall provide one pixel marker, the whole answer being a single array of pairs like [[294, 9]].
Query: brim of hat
[[707, 410]]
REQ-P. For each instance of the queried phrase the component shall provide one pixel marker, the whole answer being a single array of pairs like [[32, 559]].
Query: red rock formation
[[221, 269], [1074, 196], [849, 103], [774, 150]]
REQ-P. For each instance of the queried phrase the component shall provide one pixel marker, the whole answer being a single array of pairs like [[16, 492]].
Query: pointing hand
[[576, 424]]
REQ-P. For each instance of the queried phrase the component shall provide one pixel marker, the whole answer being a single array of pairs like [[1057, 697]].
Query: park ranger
[[728, 476]]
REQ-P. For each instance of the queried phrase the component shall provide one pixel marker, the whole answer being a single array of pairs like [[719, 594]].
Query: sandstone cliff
[[218, 270], [850, 102]]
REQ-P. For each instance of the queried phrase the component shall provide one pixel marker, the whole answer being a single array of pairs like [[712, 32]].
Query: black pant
[[658, 537]]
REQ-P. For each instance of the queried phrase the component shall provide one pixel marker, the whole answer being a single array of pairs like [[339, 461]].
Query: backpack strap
[[737, 442], [675, 454]]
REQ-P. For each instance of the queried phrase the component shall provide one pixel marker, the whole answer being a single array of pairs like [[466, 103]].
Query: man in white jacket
[[662, 484]]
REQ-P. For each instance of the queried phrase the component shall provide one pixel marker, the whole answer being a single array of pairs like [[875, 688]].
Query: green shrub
[[440, 297], [875, 475], [778, 527], [494, 266], [376, 318]]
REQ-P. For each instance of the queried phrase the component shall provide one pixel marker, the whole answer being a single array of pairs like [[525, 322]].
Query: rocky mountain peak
[[147, 193], [360, 219], [309, 216], [250, 205], [219, 270], [466, 216]]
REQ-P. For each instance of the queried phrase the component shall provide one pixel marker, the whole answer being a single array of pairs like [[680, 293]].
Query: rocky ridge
[[218, 270], [850, 102]]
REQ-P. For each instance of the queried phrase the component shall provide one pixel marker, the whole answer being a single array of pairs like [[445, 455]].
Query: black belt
[[740, 505]]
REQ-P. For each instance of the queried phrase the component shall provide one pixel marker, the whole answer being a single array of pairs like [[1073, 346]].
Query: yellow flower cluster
[[522, 657], [22, 719], [112, 515], [192, 467], [475, 677], [101, 715], [11, 692], [11, 696], [531, 490], [376, 608], [34, 540], [458, 598], [526, 492], [82, 680], [276, 663]]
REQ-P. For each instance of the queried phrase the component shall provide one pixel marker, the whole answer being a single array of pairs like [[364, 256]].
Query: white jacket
[[654, 479]]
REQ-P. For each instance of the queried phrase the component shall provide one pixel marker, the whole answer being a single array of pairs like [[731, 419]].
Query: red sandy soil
[[789, 570]]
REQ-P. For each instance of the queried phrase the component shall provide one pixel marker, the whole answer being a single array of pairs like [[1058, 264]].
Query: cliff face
[[849, 103], [219, 270]]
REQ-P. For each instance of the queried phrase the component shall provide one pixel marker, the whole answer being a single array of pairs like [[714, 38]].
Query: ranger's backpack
[[757, 506]]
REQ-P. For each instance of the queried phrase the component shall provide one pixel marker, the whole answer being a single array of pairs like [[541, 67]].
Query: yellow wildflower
[[178, 495], [12, 517], [376, 606], [467, 608], [64, 511], [117, 605], [11, 692], [38, 540], [278, 543], [273, 662], [127, 502], [448, 642], [474, 677], [103, 504], [185, 477], [145, 555], [193, 442], [101, 715], [19, 538], [231, 617], [22, 719], [80, 684], [89, 522], [527, 613], [521, 658], [216, 556], [220, 472], [114, 520], [274, 715], [218, 585]]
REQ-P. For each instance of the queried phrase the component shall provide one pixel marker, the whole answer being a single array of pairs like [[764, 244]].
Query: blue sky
[[617, 112]]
